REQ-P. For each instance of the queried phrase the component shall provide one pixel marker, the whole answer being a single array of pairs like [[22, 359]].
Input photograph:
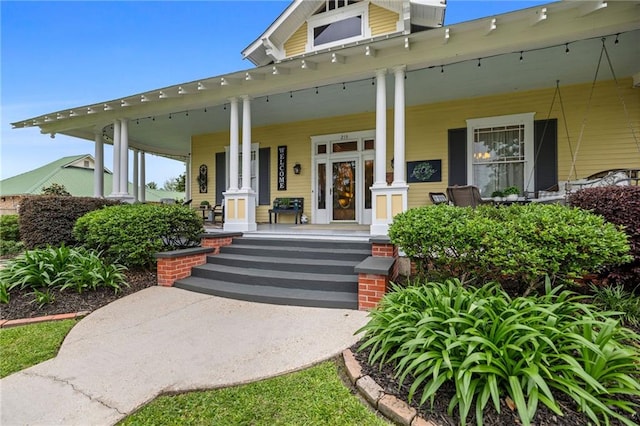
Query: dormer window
[[339, 22]]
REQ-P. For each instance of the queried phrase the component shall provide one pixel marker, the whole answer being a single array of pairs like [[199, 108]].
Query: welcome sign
[[282, 168]]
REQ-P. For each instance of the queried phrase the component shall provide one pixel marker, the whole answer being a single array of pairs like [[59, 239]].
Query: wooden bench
[[294, 206]]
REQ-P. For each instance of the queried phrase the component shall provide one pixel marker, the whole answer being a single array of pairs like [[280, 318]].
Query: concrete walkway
[[163, 340]]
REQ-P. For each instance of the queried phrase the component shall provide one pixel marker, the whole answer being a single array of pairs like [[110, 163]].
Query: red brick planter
[[175, 265]]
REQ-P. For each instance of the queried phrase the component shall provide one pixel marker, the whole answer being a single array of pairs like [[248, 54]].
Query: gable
[[381, 20], [308, 26], [296, 45]]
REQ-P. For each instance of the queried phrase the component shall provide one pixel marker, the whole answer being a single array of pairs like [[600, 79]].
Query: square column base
[[240, 211], [126, 198], [388, 201]]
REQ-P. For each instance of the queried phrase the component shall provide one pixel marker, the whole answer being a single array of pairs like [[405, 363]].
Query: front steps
[[300, 272]]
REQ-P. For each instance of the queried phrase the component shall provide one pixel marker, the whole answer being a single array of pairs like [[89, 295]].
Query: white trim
[[525, 119], [363, 216], [360, 9]]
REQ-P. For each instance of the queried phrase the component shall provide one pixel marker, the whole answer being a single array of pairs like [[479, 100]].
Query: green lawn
[[315, 396], [27, 345]]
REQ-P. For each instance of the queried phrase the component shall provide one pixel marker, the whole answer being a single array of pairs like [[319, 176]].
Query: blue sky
[[58, 55]]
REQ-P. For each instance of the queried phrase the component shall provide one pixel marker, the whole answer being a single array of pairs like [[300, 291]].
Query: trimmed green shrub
[[490, 346], [619, 205], [10, 235], [41, 270], [131, 234], [49, 220], [517, 245], [9, 227]]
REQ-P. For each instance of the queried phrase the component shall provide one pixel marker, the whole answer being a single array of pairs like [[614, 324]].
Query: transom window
[[501, 153]]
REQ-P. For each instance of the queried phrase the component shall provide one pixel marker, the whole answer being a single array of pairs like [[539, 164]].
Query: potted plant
[[204, 204], [284, 203], [512, 193], [497, 195]]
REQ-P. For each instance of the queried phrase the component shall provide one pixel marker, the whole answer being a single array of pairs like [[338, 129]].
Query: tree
[[176, 184], [55, 189], [152, 185]]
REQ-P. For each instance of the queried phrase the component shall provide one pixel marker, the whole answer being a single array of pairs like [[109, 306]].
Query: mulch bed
[[385, 376], [21, 304]]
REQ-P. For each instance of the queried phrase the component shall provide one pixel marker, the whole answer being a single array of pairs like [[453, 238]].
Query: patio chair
[[438, 198], [465, 196], [218, 211]]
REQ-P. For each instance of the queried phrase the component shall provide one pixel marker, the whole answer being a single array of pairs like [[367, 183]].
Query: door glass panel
[[344, 187], [322, 186], [368, 182]]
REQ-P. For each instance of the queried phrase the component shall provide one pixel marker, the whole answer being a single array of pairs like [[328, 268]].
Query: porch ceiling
[[166, 126]]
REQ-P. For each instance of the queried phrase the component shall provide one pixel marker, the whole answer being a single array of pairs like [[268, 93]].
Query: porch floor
[[343, 231]]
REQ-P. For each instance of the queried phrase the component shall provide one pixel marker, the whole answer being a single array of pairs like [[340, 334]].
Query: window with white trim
[[501, 153], [337, 23]]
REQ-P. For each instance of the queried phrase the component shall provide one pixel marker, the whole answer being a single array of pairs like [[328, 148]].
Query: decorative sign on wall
[[203, 178], [424, 171], [282, 168]]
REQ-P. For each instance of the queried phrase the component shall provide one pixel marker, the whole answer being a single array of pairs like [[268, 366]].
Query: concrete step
[[297, 252], [317, 266], [269, 294], [286, 279]]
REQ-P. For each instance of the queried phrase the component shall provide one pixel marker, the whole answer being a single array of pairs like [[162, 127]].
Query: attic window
[[345, 23], [335, 4], [335, 31], [86, 164]]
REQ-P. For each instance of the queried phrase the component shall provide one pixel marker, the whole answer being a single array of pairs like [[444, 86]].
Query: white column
[[240, 204], [399, 178], [115, 189], [98, 168], [143, 184], [380, 178], [246, 143], [124, 157], [187, 179], [135, 176], [233, 146]]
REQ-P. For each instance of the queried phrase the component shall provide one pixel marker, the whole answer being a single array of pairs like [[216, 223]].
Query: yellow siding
[[606, 143], [381, 20], [607, 140], [297, 43]]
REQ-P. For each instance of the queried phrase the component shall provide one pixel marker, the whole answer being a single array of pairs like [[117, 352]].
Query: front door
[[342, 177], [344, 189]]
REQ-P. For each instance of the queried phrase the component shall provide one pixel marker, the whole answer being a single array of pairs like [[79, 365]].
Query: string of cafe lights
[[441, 68]]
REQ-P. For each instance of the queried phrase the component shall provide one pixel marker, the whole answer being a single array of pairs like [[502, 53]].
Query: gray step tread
[[316, 250], [269, 294], [302, 261], [277, 274]]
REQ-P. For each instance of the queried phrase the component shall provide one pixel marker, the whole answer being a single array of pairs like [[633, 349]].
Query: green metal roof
[[77, 181]]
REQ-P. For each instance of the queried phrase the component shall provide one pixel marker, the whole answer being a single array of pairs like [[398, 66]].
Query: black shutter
[[221, 176], [264, 191], [458, 156], [545, 142]]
